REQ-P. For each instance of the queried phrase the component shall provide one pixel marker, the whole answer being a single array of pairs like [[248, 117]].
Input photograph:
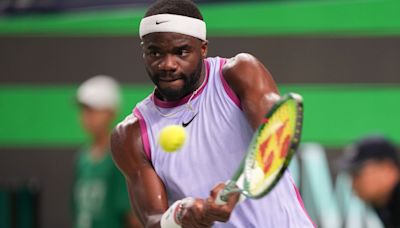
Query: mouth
[[168, 82], [169, 79]]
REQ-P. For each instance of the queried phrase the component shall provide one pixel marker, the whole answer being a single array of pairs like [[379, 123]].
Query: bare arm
[[146, 190], [253, 84]]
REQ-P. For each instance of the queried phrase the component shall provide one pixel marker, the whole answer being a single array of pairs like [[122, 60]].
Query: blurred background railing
[[327, 192]]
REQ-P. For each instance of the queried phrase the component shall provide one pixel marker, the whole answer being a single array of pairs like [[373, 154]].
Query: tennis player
[[220, 102]]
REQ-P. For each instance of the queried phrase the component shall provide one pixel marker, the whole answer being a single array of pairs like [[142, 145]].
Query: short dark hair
[[373, 147], [177, 7]]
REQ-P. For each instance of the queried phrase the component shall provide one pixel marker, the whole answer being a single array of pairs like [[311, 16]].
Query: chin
[[175, 90], [172, 93]]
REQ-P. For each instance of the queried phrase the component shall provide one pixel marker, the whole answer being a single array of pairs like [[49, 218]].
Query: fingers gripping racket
[[269, 152]]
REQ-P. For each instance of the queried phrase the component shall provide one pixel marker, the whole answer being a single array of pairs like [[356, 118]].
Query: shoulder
[[240, 63], [125, 129], [253, 84], [245, 72], [244, 69], [240, 59]]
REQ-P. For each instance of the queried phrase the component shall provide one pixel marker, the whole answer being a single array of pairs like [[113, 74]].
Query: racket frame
[[232, 185]]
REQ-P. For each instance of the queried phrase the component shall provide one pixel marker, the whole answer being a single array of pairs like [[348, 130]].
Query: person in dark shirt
[[374, 166]]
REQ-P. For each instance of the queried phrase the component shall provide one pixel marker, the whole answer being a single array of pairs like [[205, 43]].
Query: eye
[[154, 53], [183, 52]]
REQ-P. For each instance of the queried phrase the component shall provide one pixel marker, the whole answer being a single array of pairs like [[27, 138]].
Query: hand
[[203, 213]]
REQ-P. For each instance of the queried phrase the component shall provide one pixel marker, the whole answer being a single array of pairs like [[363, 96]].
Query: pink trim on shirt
[[143, 133], [227, 88], [300, 200], [172, 104]]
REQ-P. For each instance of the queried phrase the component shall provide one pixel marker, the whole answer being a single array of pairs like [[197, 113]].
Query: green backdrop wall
[[45, 116]]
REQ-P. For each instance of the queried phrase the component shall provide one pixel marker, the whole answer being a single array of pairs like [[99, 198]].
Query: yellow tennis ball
[[172, 138]]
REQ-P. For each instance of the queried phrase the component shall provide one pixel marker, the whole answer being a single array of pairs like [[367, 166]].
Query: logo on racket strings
[[271, 147]]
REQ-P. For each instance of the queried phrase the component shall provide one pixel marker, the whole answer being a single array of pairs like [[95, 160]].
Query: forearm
[[149, 204]]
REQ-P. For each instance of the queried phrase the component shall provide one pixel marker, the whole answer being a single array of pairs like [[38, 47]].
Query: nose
[[168, 63]]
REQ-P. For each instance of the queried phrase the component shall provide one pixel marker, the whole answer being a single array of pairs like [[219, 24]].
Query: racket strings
[[272, 145]]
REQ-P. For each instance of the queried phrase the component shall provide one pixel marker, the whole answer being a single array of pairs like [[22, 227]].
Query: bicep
[[145, 188], [254, 86]]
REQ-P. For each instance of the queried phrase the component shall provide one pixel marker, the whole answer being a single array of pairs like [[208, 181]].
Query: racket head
[[272, 147]]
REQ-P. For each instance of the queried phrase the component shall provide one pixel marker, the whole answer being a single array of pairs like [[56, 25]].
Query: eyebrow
[[185, 46], [174, 49], [153, 47]]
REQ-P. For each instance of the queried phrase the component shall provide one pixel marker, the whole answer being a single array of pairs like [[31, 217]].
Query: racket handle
[[222, 196]]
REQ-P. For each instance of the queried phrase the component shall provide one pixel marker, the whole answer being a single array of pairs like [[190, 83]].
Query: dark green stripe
[[45, 116], [368, 17]]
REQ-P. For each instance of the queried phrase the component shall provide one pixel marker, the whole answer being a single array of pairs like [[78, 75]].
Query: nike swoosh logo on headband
[[160, 22]]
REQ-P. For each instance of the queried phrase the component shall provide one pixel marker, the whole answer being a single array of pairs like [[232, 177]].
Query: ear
[[142, 46], [204, 48]]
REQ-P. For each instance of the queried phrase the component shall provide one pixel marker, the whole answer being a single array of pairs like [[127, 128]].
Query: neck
[[202, 78], [100, 145]]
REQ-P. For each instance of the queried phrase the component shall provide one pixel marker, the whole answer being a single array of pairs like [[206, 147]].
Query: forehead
[[168, 40], [370, 166]]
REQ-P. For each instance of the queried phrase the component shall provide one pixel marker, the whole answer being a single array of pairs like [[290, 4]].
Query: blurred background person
[[374, 166], [100, 197]]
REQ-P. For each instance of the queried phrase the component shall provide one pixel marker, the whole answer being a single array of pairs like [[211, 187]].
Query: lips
[[168, 79]]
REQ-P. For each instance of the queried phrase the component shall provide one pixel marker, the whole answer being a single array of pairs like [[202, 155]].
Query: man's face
[[174, 62], [369, 182]]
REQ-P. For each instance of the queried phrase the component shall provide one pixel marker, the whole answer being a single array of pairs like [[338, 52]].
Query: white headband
[[173, 23]]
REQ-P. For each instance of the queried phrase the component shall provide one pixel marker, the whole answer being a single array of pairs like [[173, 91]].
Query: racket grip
[[221, 197]]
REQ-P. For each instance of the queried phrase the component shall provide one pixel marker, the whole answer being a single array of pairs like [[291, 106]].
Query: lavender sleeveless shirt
[[218, 137]]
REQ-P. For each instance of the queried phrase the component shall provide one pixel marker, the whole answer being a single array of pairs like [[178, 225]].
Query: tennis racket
[[269, 152]]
